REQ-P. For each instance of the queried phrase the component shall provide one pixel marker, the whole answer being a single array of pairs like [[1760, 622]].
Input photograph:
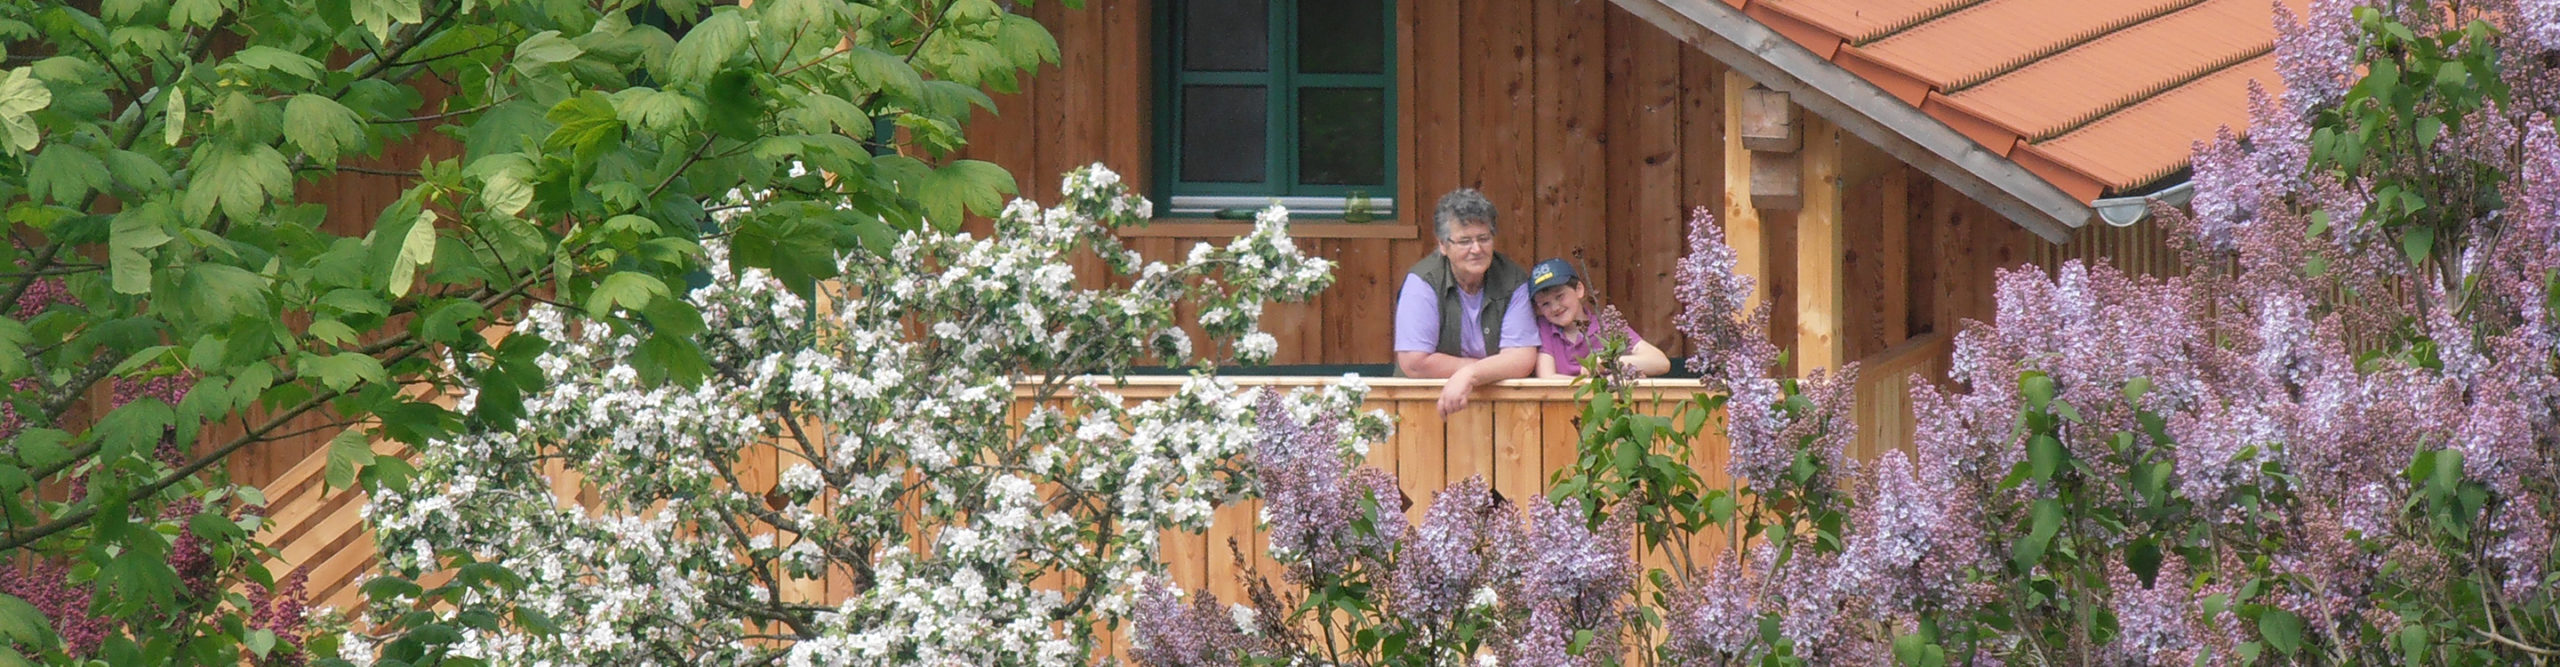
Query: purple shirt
[[1569, 355], [1418, 321]]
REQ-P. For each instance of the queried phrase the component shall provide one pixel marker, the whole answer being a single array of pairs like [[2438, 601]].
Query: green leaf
[[706, 47], [876, 70], [261, 641], [2046, 518], [417, 249], [342, 370], [2430, 129], [2282, 630], [587, 125], [819, 111], [321, 126], [378, 16], [218, 293], [2143, 558], [134, 231], [331, 331], [14, 338], [543, 49], [2414, 643], [272, 59], [173, 126], [977, 185], [2416, 242], [136, 171], [349, 452], [23, 624], [239, 178], [2044, 457], [65, 173], [628, 290], [506, 192], [658, 110], [20, 95], [2038, 388]]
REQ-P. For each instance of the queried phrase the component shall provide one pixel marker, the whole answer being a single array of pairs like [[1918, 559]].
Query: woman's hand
[[1453, 396]]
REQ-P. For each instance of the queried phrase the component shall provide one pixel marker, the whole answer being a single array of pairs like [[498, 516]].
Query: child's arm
[[1646, 360], [1547, 367]]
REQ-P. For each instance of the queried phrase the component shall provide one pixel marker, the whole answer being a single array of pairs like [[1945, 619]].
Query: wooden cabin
[[1874, 162]]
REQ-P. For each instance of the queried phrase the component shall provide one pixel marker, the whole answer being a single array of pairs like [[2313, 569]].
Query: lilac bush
[[2334, 441]]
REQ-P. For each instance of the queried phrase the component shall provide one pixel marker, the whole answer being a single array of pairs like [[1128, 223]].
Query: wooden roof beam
[[1761, 54]]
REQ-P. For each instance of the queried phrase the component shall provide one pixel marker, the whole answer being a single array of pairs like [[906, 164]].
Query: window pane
[[1222, 134], [1342, 136], [1226, 36], [1342, 37]]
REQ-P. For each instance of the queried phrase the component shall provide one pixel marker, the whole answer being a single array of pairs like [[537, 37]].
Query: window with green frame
[[1293, 100]]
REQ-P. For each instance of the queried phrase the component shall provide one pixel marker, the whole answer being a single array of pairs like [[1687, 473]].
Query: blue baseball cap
[[1551, 273]]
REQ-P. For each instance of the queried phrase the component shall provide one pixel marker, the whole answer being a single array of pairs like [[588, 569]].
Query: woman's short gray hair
[[1462, 204]]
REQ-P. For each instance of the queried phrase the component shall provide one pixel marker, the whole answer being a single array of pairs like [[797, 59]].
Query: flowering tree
[[952, 528]]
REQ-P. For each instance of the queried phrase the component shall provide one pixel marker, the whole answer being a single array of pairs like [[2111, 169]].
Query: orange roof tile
[[2095, 96]]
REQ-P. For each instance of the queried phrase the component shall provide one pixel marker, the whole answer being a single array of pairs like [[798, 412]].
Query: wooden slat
[[1500, 119], [1468, 443], [1420, 453], [1742, 228], [1820, 248], [1570, 64], [1519, 449], [1893, 256]]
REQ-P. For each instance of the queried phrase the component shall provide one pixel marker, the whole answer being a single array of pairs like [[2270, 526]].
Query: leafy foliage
[[177, 183]]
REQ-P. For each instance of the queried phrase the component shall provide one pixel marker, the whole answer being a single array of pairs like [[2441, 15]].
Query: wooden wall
[[1593, 132]]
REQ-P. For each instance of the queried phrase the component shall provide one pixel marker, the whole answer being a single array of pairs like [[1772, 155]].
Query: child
[[1564, 309]]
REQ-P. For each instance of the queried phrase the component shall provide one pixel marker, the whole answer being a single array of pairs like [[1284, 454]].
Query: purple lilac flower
[[1717, 617], [1446, 560], [1314, 497], [1896, 529], [41, 294], [1729, 332], [47, 586], [282, 612], [1546, 641], [2161, 623], [2228, 186], [1610, 327], [1167, 633], [188, 556], [2538, 23], [1574, 577], [2279, 137], [2315, 55]]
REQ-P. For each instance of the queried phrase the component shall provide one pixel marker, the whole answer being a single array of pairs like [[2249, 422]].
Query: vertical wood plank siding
[[1592, 131]]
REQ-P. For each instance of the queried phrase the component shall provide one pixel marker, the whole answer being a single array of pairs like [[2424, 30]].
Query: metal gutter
[[2125, 211], [1856, 105]]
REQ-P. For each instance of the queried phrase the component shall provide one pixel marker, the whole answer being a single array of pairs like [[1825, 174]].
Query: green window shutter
[[1276, 98]]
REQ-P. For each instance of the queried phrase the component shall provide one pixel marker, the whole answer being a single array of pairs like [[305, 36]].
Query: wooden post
[[1821, 280], [1741, 220]]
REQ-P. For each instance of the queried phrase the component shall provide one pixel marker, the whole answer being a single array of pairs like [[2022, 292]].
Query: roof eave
[[1870, 112]]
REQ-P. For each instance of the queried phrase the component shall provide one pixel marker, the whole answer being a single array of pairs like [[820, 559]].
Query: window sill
[[1198, 228]]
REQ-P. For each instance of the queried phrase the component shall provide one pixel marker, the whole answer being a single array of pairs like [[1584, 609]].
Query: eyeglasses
[[1483, 240]]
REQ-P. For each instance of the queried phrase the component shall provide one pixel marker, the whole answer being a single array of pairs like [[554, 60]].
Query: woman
[[1565, 338]]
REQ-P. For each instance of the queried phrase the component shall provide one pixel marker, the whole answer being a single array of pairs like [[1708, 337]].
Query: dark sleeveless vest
[[1500, 279]]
